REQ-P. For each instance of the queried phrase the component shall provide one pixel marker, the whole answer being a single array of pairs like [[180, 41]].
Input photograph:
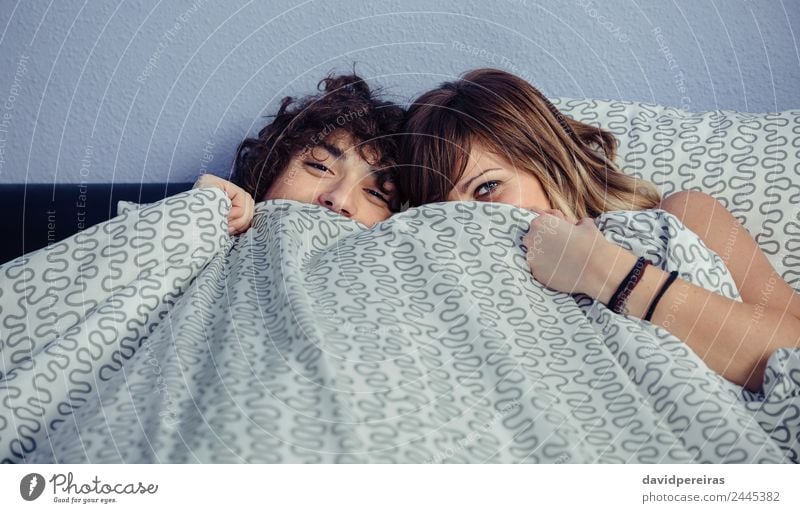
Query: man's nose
[[339, 198]]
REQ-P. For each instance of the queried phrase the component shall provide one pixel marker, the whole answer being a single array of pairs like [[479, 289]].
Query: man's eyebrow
[[330, 148], [466, 184], [377, 172]]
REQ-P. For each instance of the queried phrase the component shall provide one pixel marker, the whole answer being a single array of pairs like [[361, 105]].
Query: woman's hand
[[733, 338], [568, 257], [243, 206]]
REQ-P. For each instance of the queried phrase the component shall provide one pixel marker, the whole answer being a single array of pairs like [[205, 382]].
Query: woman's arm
[[756, 279], [734, 339]]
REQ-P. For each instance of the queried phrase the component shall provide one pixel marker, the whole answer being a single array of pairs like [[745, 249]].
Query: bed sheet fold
[[155, 337]]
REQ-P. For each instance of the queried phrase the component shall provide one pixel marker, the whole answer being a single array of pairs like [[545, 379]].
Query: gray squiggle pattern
[[156, 338], [749, 162]]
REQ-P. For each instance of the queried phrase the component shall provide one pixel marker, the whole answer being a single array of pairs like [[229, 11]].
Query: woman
[[491, 136], [332, 149]]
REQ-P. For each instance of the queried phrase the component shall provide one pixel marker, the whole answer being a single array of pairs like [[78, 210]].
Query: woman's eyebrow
[[466, 184]]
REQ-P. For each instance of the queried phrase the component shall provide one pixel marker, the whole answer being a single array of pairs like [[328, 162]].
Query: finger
[[528, 237], [241, 216], [238, 198], [236, 218], [237, 224], [237, 212], [530, 256], [557, 213], [529, 240], [532, 240], [234, 192], [251, 208], [210, 180], [586, 224], [201, 182]]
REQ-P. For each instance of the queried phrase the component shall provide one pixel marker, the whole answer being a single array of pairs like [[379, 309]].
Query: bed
[[155, 337]]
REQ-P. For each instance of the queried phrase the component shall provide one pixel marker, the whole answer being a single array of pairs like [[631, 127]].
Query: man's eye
[[377, 194], [486, 188], [319, 167]]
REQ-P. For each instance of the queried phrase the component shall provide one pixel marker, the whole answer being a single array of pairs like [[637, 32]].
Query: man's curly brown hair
[[345, 104]]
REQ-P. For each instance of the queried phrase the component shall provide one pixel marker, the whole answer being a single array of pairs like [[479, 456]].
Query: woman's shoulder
[[701, 213], [690, 203]]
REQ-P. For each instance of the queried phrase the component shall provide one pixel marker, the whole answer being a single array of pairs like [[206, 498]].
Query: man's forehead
[[340, 143], [345, 147]]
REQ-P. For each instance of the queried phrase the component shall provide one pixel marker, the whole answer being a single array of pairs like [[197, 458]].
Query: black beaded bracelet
[[625, 288], [652, 309]]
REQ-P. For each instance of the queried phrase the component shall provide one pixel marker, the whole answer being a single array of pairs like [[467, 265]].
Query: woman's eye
[[486, 188], [319, 167]]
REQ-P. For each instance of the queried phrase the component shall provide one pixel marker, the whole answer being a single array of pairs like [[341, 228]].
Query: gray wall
[[156, 91]]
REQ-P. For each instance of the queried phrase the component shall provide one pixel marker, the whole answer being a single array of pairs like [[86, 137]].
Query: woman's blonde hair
[[573, 161]]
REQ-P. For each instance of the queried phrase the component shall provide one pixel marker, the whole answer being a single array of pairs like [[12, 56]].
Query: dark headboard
[[36, 215]]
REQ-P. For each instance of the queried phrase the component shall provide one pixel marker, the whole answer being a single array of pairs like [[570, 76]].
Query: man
[[333, 149]]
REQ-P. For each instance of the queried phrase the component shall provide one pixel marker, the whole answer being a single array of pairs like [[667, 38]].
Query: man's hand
[[242, 208]]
